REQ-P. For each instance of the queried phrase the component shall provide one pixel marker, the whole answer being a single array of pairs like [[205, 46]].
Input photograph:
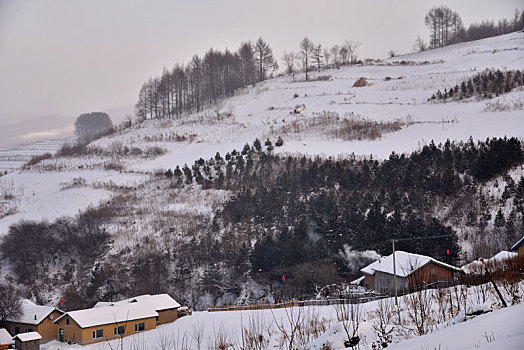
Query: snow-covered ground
[[13, 158], [502, 329], [497, 329]]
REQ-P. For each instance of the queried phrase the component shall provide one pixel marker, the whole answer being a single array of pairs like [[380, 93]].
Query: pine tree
[[500, 221], [257, 145]]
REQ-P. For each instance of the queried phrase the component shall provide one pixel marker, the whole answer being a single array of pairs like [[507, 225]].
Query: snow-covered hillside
[[396, 93], [154, 217]]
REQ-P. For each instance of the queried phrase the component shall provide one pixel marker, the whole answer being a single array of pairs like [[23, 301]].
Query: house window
[[432, 272], [15, 330], [67, 321], [27, 330], [140, 327], [99, 333], [120, 330]]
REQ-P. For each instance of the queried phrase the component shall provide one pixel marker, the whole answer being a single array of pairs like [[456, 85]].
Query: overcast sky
[[72, 56]]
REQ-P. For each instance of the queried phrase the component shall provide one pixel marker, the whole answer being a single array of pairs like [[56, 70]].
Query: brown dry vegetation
[[347, 128]]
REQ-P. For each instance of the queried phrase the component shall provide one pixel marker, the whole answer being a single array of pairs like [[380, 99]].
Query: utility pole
[[395, 272]]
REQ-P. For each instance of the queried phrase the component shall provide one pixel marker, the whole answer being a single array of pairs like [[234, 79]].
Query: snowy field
[[503, 329], [13, 158], [496, 329]]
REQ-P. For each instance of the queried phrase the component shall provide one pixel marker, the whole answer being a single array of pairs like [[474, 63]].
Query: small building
[[184, 311], [104, 323], [6, 340], [498, 262], [27, 341], [163, 304], [413, 271], [519, 248], [34, 318]]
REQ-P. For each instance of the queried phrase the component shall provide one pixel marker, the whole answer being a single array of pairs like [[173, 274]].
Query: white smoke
[[355, 260]]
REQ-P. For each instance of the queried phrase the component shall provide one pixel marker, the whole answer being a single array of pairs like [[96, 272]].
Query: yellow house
[[163, 304], [34, 318], [519, 248], [6, 340], [104, 323]]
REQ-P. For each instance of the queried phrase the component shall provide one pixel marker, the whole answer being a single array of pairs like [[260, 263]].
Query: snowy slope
[[264, 110], [502, 329]]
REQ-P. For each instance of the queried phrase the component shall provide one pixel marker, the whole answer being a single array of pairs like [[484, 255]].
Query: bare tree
[[316, 55], [343, 54], [327, 56], [306, 48], [511, 278], [295, 319], [335, 53], [247, 58], [349, 315], [264, 58], [218, 106], [253, 335], [352, 47], [10, 305], [289, 59], [197, 334], [383, 322], [444, 25], [419, 44], [221, 339], [419, 307]]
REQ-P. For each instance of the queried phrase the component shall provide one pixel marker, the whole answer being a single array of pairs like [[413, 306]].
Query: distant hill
[[35, 129]]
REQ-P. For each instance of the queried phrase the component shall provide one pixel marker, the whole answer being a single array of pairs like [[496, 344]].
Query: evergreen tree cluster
[[237, 169], [204, 80], [487, 84], [301, 210]]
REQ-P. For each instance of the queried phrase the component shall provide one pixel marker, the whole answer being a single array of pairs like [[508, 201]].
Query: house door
[[61, 333]]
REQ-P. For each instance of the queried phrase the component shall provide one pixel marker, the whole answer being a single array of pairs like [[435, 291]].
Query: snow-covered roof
[[517, 245], [357, 281], [106, 315], [32, 313], [5, 337], [406, 263], [157, 302], [29, 336], [477, 265]]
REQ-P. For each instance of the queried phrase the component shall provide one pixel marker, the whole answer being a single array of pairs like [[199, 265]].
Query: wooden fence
[[263, 306], [257, 306]]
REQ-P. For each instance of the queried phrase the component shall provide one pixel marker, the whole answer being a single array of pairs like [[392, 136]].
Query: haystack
[[361, 82]]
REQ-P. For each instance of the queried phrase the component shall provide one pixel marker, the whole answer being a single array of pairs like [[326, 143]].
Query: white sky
[[73, 56]]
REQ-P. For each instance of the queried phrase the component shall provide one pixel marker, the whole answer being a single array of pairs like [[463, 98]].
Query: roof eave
[[518, 244]]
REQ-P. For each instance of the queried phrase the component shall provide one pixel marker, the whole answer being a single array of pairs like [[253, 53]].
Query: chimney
[[35, 317]]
